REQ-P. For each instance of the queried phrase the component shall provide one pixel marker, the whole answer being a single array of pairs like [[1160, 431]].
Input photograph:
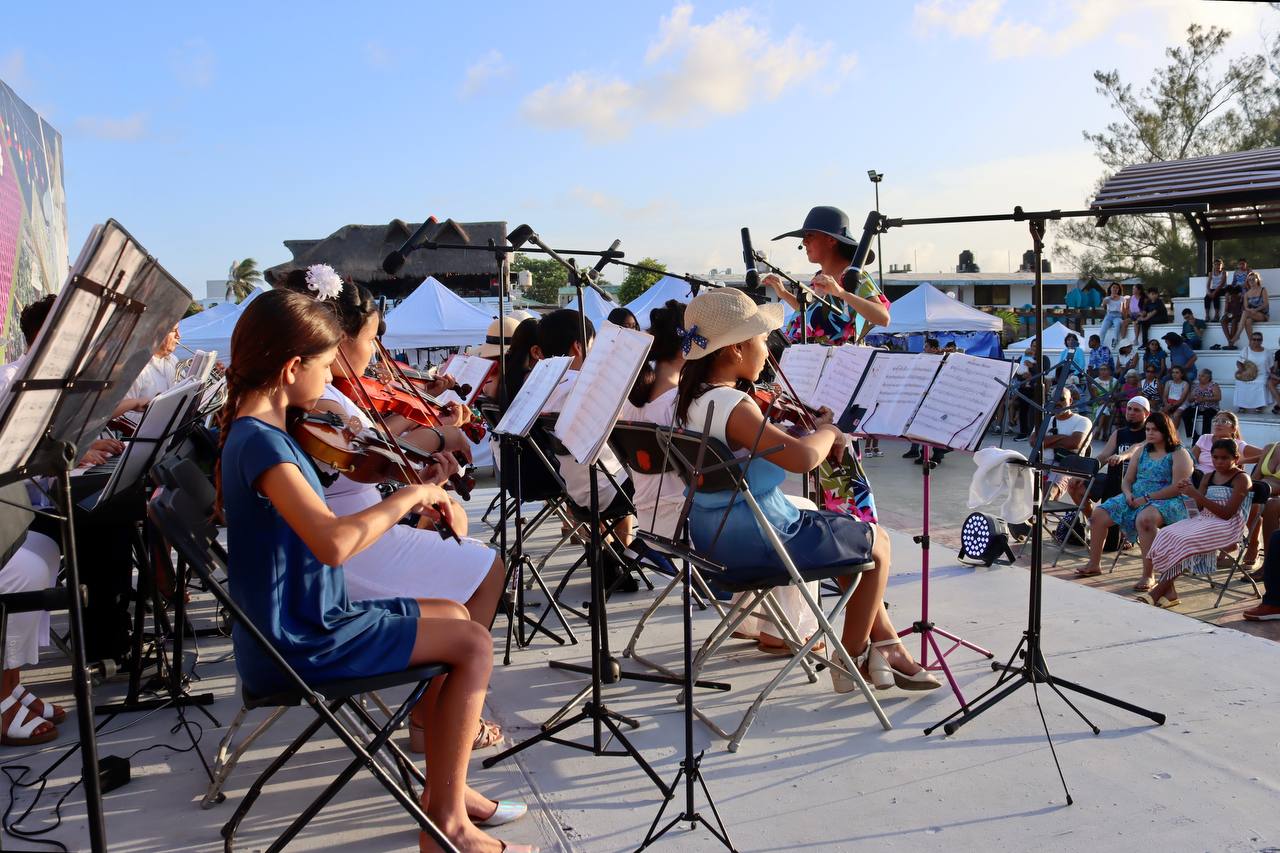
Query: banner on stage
[[33, 215]]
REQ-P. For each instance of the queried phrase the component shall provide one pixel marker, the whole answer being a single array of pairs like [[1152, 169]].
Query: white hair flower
[[323, 281]]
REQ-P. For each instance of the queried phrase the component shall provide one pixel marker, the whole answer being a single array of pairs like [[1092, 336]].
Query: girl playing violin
[[727, 352], [286, 549], [403, 561]]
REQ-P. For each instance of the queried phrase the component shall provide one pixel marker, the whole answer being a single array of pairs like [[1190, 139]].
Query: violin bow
[[406, 467]]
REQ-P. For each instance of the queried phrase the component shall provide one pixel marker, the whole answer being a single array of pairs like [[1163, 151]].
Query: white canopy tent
[[655, 297], [434, 316], [928, 309], [189, 326], [598, 307], [1054, 340]]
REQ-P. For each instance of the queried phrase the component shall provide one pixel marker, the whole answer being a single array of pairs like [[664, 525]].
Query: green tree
[[193, 308], [637, 282], [1191, 107], [241, 278], [548, 277]]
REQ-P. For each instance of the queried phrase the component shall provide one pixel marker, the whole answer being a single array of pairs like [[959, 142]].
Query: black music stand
[[115, 307], [167, 418]]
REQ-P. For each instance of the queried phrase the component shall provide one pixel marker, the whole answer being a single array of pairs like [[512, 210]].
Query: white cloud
[[13, 69], [193, 63], [1055, 28], [692, 72], [128, 129], [490, 67]]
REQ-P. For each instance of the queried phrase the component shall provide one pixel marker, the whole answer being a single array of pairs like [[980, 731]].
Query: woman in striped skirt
[[1192, 545]]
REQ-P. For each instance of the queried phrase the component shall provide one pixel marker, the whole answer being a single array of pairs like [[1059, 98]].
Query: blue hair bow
[[689, 338]]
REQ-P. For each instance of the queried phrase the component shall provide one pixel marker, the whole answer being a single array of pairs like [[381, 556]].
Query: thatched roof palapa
[[357, 252]]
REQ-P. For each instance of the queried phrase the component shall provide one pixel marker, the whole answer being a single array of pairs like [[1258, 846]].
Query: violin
[[389, 399], [420, 380], [782, 409], [366, 457]]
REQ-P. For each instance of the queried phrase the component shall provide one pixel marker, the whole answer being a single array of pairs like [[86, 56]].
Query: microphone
[[593, 275], [520, 236], [749, 256], [394, 262]]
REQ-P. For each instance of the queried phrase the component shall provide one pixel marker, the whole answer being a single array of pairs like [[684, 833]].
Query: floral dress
[[830, 327], [1153, 475]]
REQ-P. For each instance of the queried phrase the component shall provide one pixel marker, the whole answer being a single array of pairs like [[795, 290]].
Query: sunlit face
[[169, 343], [1223, 461], [1135, 415], [1154, 436], [305, 378], [358, 351], [754, 354], [1223, 427], [817, 246]]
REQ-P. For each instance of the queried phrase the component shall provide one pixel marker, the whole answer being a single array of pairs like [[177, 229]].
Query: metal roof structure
[[1242, 191]]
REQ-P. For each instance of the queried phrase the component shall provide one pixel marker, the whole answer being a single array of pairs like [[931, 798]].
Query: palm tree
[[241, 278]]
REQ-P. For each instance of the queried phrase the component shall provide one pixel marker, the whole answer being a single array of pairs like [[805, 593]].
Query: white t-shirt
[[9, 371], [658, 497], [158, 375], [577, 477], [1204, 459], [1069, 425]]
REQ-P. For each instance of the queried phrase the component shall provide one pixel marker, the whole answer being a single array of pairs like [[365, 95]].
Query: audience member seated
[[1114, 455], [1153, 313], [1193, 330], [1099, 355], [1191, 545], [1225, 425], [1132, 388], [1153, 355], [1174, 395], [1213, 291], [24, 719], [1181, 354], [1068, 435], [1150, 496], [1269, 609], [1106, 395], [1202, 403]]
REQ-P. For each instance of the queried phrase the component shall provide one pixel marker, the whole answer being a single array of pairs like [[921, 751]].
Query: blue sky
[[214, 133]]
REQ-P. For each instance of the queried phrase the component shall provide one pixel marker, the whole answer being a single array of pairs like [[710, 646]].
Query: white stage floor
[[816, 772]]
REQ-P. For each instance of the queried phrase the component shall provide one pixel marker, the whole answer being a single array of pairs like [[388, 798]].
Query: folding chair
[[707, 465], [641, 450], [581, 516], [185, 520], [1254, 503], [1085, 468]]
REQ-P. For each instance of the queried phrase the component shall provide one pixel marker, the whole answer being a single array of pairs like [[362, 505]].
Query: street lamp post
[[876, 178]]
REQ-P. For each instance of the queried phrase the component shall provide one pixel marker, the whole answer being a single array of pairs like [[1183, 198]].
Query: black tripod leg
[[1007, 668], [606, 717], [967, 714], [1154, 716], [536, 739]]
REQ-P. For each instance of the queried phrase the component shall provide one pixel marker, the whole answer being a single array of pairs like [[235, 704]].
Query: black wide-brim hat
[[825, 220]]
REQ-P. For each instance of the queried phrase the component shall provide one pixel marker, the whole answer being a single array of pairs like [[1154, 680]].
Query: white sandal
[[842, 683], [921, 680], [19, 730], [48, 710]]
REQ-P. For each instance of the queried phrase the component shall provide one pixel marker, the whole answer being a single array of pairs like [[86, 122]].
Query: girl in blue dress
[[724, 351], [286, 549]]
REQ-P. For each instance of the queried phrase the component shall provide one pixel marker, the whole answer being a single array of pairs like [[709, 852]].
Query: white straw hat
[[723, 317], [489, 349]]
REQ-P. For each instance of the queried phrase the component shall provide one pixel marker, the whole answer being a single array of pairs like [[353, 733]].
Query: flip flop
[[1162, 602], [1144, 585], [1084, 574]]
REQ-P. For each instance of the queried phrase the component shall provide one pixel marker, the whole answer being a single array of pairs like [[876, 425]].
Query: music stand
[[115, 307]]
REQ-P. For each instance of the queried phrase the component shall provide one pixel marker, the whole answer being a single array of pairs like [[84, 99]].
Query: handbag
[[1246, 371]]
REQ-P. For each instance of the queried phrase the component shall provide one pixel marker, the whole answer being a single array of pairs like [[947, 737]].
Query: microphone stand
[[594, 709]]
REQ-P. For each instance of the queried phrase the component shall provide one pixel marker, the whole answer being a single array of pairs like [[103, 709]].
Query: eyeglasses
[[1223, 421]]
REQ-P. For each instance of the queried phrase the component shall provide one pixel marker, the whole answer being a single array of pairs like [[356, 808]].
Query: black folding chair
[[183, 515]]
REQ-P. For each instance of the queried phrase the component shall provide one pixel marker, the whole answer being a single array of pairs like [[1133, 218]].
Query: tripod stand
[[1027, 664], [923, 626]]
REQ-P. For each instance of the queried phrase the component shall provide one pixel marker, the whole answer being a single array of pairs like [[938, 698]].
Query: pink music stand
[[923, 626]]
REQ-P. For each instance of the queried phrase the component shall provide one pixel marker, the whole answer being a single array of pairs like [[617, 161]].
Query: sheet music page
[[527, 405], [802, 364], [467, 370], [845, 367], [903, 381], [596, 399], [160, 415], [961, 401]]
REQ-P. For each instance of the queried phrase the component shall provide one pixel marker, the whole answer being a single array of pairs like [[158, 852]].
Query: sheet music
[[845, 368], [902, 382], [467, 370], [803, 364], [527, 405], [596, 399], [161, 415], [961, 401]]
